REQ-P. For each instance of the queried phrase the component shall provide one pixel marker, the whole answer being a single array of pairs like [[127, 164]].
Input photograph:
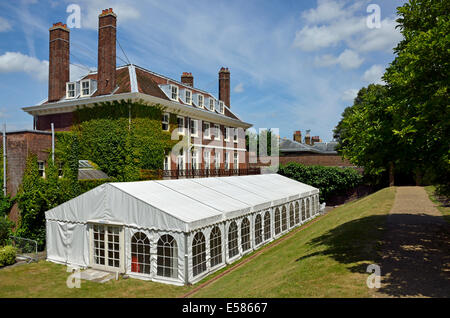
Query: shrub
[[7, 255], [5, 230], [330, 180]]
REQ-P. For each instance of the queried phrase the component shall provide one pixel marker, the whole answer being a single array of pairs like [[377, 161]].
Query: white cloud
[[18, 62], [349, 95], [4, 25], [374, 74], [347, 60], [325, 11], [239, 88]]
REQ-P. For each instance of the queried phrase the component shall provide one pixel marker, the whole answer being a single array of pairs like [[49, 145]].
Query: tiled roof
[[287, 145]]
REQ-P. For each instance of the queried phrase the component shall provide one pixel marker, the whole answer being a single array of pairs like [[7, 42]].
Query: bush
[[5, 230], [7, 255], [330, 180]]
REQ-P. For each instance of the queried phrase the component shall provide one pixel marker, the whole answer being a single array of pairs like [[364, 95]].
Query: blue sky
[[295, 65]]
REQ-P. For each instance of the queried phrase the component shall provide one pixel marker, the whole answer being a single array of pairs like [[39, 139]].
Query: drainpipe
[[53, 143], [4, 159]]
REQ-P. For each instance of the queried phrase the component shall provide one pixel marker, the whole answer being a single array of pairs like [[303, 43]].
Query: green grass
[[327, 259], [445, 210]]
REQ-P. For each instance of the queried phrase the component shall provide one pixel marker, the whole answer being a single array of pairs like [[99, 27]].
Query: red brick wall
[[224, 86], [62, 122], [310, 159], [106, 53], [58, 74]]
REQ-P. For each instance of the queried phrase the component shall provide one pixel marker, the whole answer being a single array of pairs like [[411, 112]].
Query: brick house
[[216, 135]]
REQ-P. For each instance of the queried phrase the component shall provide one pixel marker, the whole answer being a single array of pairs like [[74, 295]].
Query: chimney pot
[[187, 79]]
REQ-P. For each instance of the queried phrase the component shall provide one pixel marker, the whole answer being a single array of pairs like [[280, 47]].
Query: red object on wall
[[134, 264]]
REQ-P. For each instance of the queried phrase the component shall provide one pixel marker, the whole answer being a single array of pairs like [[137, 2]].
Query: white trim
[[181, 131], [185, 97], [196, 127], [171, 86], [168, 122], [207, 136], [74, 90], [216, 131], [219, 147]]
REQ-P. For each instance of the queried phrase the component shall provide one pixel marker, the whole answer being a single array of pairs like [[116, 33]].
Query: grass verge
[[439, 202]]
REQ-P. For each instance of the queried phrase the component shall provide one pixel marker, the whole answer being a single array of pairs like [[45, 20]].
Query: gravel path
[[416, 249]]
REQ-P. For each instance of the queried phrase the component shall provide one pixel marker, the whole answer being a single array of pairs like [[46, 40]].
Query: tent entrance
[[106, 252]]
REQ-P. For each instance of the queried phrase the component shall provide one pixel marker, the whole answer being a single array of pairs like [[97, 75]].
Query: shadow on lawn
[[413, 252]]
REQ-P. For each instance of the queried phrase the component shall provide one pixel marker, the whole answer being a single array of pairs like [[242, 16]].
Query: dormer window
[[70, 90], [85, 88], [211, 104], [174, 92], [200, 101], [221, 107], [188, 97]]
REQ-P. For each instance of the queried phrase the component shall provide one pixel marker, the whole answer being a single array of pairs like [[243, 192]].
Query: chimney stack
[[187, 78], [308, 137], [58, 68], [106, 73], [298, 136], [224, 85]]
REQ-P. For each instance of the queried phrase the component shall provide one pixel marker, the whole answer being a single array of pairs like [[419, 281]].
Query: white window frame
[[106, 267], [168, 162], [217, 160], [181, 130], [177, 93], [235, 135], [41, 167], [202, 103], [74, 90], [211, 100], [235, 160], [221, 107], [194, 125], [189, 102], [207, 156], [183, 157], [194, 160], [82, 89], [227, 133], [207, 132], [165, 122], [216, 132], [227, 161]]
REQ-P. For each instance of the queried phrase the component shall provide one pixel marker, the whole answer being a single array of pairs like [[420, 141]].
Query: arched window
[[303, 211], [258, 229], [233, 249], [291, 215], [297, 213], [277, 221], [245, 234], [283, 219], [140, 253], [267, 233], [215, 246], [198, 254], [308, 209], [167, 261]]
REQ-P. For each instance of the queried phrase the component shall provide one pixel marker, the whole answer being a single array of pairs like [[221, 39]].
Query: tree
[[417, 81]]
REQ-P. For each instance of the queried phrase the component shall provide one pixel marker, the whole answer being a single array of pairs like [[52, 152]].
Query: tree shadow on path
[[413, 252]]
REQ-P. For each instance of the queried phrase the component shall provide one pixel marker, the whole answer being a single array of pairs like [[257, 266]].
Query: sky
[[295, 65]]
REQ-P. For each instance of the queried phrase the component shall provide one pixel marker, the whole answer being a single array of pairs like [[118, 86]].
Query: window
[[198, 254], [215, 245], [258, 230], [188, 97], [41, 168], [277, 221], [227, 133], [174, 92], [207, 156], [167, 162], [180, 160], [303, 211], [216, 132], [194, 128], [211, 104], [206, 131], [60, 169], [140, 253], [217, 159], [233, 249], [180, 122], [267, 233], [70, 90], [297, 213], [221, 107], [283, 219], [201, 101], [85, 88], [308, 213], [235, 135], [291, 215], [106, 246], [236, 160], [167, 261], [245, 234], [194, 159], [227, 161], [165, 122]]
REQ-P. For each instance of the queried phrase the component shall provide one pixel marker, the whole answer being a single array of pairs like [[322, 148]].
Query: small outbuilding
[[176, 231]]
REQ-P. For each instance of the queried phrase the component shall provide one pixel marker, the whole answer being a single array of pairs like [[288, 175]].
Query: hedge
[[330, 180], [7, 255]]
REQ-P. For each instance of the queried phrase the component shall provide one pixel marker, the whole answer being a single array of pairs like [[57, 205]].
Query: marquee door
[[106, 252]]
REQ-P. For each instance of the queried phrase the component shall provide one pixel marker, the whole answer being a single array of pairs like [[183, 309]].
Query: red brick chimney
[[58, 67], [106, 78], [224, 85], [187, 78]]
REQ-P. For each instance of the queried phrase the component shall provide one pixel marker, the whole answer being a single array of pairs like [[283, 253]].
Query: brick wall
[[62, 121], [310, 159]]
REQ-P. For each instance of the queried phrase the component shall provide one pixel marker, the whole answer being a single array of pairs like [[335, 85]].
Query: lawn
[[326, 259], [443, 208]]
